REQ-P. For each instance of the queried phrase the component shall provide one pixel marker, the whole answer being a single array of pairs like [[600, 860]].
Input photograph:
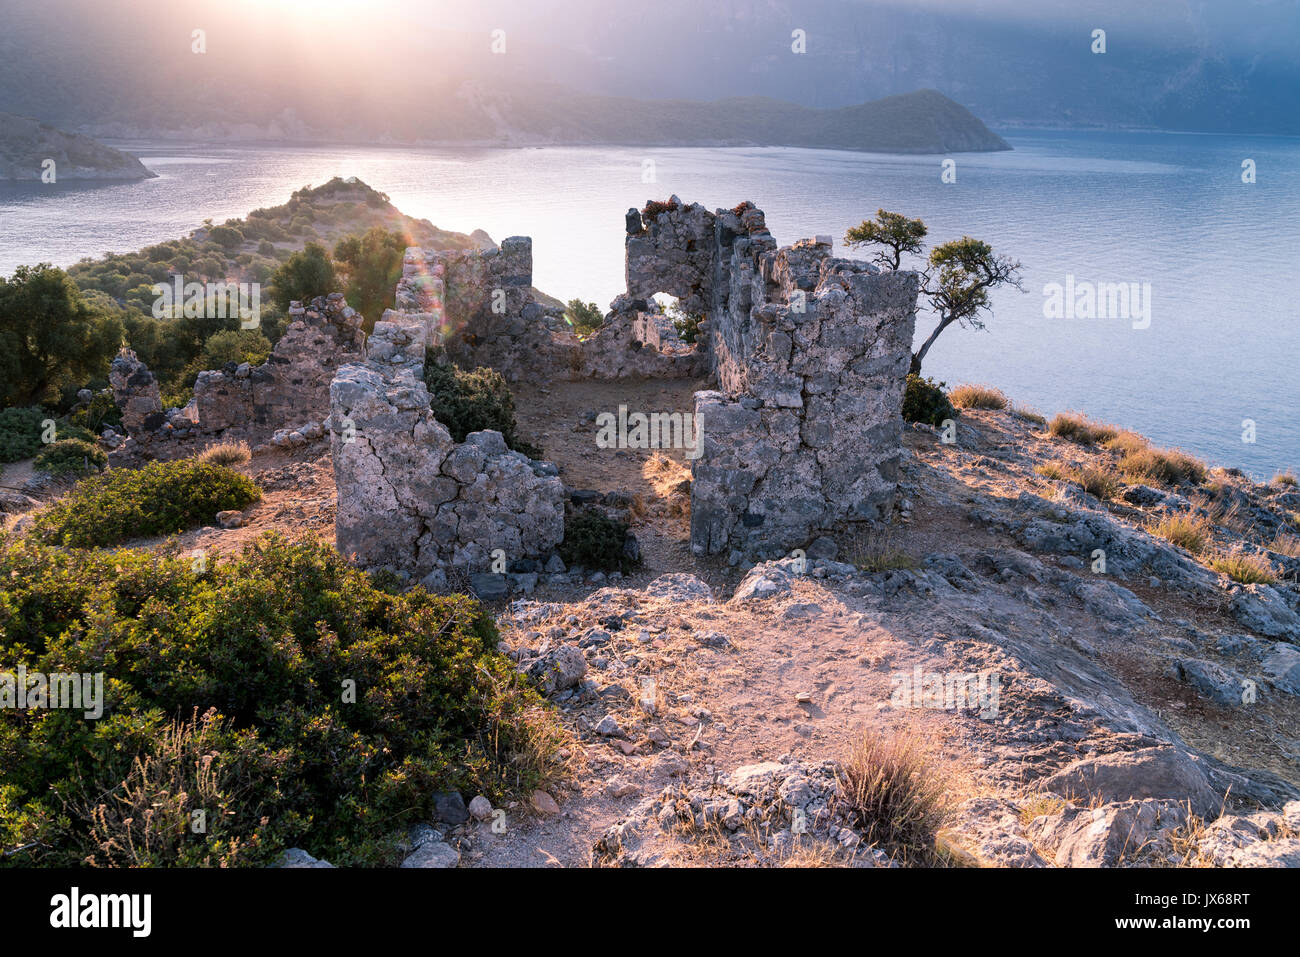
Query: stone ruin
[[409, 497], [280, 401], [482, 303], [809, 354]]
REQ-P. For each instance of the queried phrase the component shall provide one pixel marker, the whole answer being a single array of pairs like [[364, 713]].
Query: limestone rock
[[1157, 772]]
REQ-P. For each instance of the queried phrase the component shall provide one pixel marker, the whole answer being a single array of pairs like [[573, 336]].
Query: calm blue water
[[1170, 210]]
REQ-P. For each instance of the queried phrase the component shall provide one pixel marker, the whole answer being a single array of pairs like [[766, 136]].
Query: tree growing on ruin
[[584, 317], [958, 275], [370, 266], [896, 233], [957, 282]]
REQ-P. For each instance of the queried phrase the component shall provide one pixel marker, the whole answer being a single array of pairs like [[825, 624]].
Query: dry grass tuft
[[873, 550], [1184, 530], [1287, 479], [1163, 466], [1036, 805], [1127, 443], [1097, 480], [228, 454], [1287, 544], [1030, 415], [1249, 568], [1076, 428], [894, 797], [978, 397]]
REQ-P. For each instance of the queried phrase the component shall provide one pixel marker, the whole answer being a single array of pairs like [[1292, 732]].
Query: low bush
[[280, 692], [595, 541], [162, 498], [656, 207], [71, 457], [978, 397], [925, 401], [468, 402], [20, 433]]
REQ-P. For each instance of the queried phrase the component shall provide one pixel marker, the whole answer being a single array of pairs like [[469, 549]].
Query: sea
[[1158, 268]]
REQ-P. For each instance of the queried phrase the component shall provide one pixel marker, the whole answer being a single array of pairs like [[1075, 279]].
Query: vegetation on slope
[[160, 499], [283, 696]]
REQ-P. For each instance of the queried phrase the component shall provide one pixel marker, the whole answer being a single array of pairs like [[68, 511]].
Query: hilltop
[[1059, 643]]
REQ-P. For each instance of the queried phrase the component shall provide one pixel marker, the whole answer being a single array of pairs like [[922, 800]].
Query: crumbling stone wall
[[810, 354], [409, 497], [635, 342], [136, 393], [282, 400], [484, 298], [488, 316], [290, 389]]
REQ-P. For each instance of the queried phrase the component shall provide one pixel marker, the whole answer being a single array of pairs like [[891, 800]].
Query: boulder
[[1158, 772]]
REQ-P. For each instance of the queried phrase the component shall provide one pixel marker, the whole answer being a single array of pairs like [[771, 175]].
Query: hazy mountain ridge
[[393, 76], [27, 144], [925, 121]]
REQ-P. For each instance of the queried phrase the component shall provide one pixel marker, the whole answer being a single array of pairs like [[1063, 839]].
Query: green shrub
[[594, 541], [71, 457], [227, 690], [20, 433], [468, 402], [585, 317], [924, 401], [70, 430], [162, 498], [101, 413], [687, 324]]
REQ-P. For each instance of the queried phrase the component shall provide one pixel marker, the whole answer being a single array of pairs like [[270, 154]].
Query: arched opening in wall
[[686, 323]]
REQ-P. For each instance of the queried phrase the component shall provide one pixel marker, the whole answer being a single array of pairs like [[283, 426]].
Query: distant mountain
[[403, 71], [26, 146], [922, 122]]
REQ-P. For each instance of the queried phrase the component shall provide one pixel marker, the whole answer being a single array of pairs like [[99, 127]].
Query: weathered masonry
[[810, 354]]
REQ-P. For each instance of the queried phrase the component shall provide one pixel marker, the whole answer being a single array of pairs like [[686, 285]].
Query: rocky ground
[[1144, 715]]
